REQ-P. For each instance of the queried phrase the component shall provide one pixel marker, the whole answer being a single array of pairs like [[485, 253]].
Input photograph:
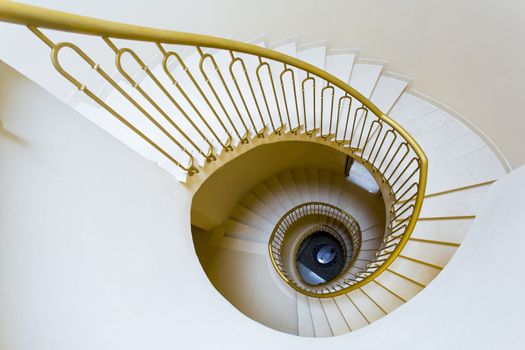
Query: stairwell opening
[[320, 258], [236, 209]]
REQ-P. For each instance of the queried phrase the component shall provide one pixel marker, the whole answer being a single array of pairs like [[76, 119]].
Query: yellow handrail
[[28, 15], [35, 17]]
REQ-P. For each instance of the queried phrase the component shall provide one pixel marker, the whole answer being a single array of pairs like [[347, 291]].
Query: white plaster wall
[[466, 54], [250, 283]]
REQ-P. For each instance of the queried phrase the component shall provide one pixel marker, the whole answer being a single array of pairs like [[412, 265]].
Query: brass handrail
[[34, 16], [365, 133]]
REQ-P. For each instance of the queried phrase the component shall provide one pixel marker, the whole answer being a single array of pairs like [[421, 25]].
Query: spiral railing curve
[[195, 107]]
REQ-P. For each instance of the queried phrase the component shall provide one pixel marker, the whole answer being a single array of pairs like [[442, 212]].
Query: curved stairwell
[[236, 257], [217, 119], [248, 231]]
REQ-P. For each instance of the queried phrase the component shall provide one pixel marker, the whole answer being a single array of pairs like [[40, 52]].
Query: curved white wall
[[466, 54]]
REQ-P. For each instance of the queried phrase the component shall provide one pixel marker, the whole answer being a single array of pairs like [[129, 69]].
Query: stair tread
[[279, 192], [304, 317], [370, 311], [301, 184], [336, 185], [247, 217], [387, 91], [350, 313], [466, 202], [316, 56], [442, 230], [334, 317], [239, 230], [364, 77], [398, 285], [287, 181], [259, 207], [431, 253], [265, 195], [313, 183], [319, 320], [457, 156], [387, 301], [324, 185], [417, 272], [340, 65], [289, 49]]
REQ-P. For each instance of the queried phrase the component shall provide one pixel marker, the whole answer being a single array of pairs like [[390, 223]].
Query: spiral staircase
[[410, 172], [246, 232]]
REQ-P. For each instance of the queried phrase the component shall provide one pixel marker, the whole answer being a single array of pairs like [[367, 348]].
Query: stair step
[[370, 244], [316, 56], [241, 231], [279, 193], [266, 196], [243, 245], [324, 185], [304, 317], [387, 91], [364, 77], [247, 217], [398, 285], [351, 314], [340, 64], [478, 166], [335, 319], [417, 272], [457, 156], [287, 181], [301, 184], [386, 300], [289, 48], [442, 230], [375, 232], [319, 320], [370, 310], [434, 254], [361, 204], [312, 178], [260, 208], [336, 185], [466, 202]]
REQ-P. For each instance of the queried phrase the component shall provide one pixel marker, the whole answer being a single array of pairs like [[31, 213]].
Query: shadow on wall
[[219, 194], [8, 80]]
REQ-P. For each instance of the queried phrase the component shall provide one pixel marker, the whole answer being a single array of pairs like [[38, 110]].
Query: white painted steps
[[305, 323], [340, 63], [319, 318], [270, 200], [444, 138], [365, 74], [362, 74]]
